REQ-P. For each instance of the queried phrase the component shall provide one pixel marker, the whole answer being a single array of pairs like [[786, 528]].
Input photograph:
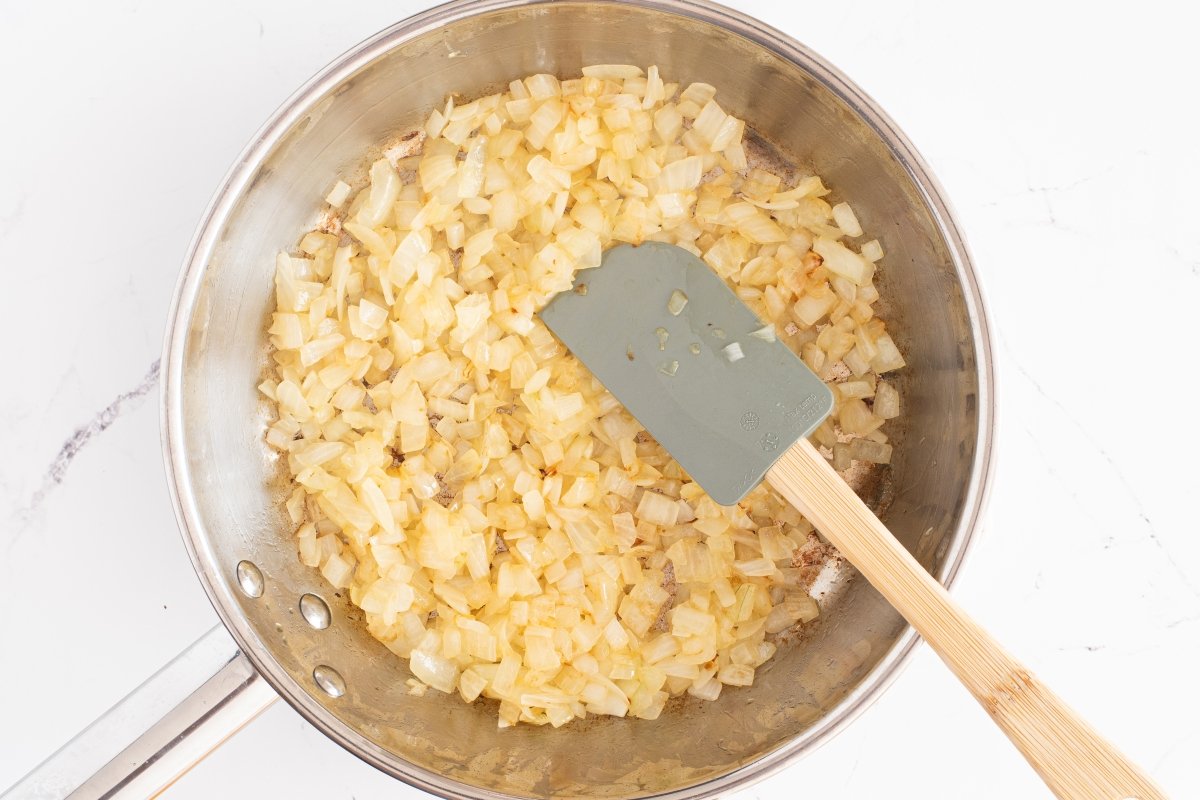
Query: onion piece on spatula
[[734, 408]]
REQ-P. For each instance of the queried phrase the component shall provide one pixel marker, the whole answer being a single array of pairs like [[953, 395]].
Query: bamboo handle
[[1074, 761]]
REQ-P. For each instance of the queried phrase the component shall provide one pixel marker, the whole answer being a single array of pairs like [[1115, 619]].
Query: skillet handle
[[159, 731], [1071, 757]]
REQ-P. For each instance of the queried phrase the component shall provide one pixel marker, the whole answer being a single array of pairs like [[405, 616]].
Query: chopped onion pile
[[502, 521]]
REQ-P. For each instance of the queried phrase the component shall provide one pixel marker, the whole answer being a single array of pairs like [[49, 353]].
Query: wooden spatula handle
[[1074, 761]]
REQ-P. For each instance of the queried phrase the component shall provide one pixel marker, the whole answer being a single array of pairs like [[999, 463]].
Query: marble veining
[[79, 439], [1115, 468]]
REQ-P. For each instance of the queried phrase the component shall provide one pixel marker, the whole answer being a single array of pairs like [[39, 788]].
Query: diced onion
[[434, 670], [840, 260], [613, 72], [657, 509], [873, 452], [844, 218], [887, 401], [448, 455], [766, 333], [681, 175], [338, 194], [888, 357], [872, 251]]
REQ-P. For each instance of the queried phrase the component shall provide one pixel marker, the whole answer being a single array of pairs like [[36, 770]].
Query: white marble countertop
[[1065, 136]]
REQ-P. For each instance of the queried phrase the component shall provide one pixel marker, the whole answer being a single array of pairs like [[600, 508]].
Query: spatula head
[[723, 401]]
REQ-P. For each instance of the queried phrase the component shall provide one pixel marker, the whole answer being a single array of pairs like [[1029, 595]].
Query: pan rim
[[239, 178]]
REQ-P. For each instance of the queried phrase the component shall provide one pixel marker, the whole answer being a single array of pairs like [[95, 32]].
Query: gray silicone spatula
[[733, 406]]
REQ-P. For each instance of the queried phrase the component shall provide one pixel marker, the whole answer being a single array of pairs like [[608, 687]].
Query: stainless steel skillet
[[228, 493]]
